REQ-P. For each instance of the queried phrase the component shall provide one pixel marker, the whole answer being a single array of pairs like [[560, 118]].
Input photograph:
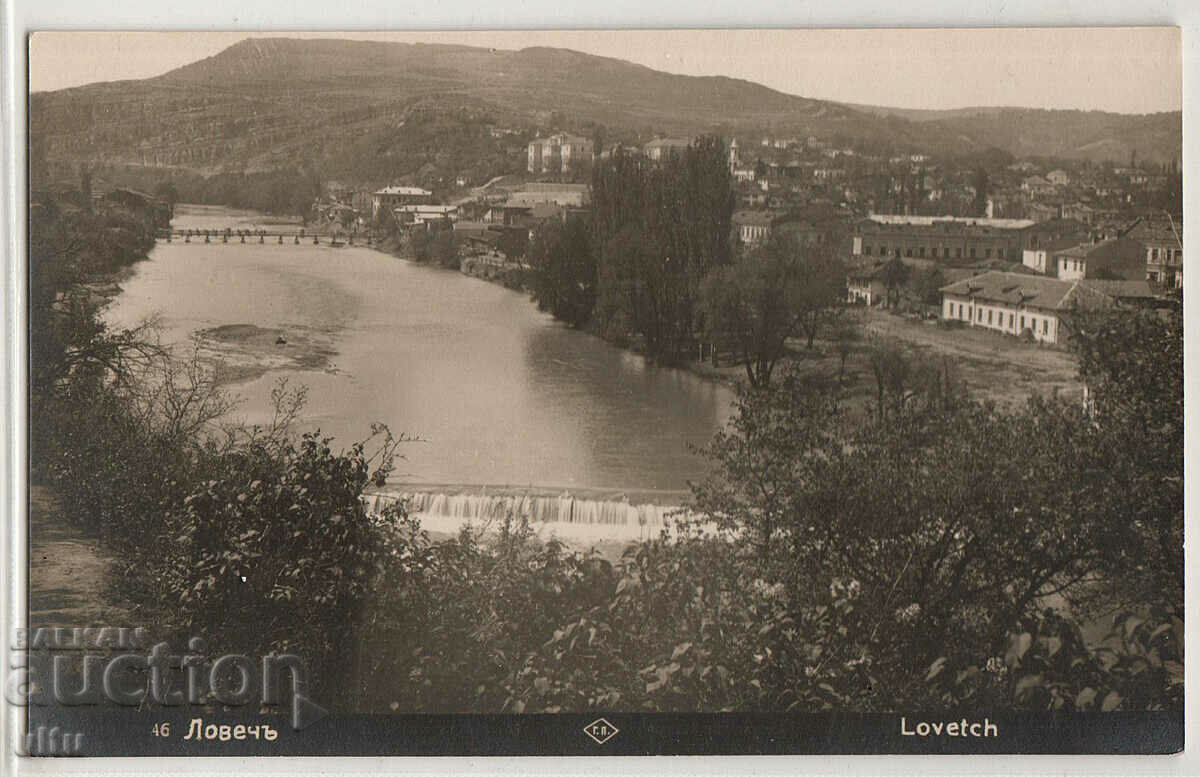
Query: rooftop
[[409, 191], [1029, 290], [929, 221], [758, 218]]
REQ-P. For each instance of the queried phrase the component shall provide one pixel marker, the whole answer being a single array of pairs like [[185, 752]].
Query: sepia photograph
[[604, 392]]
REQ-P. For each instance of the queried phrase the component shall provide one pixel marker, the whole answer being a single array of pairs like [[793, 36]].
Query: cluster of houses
[[1018, 276], [1050, 239]]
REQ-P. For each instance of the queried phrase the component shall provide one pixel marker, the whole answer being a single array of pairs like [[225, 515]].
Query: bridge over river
[[262, 237]]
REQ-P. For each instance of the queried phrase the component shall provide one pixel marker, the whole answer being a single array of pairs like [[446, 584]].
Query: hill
[[373, 111]]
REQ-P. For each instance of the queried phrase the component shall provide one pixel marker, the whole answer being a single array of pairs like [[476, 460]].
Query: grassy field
[[993, 367]]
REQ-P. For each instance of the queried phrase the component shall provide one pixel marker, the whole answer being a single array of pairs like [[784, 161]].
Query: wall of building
[[932, 243], [1034, 259], [1001, 317], [1071, 269]]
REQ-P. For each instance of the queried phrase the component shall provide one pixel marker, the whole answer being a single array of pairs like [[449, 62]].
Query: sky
[[1125, 70]]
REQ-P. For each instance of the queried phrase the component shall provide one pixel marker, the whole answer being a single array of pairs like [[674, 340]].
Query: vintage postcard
[[697, 392]]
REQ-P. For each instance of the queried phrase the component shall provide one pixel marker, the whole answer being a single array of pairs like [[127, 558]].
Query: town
[[1006, 245], [503, 381]]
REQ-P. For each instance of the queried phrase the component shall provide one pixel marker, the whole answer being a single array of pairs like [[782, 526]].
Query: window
[[972, 252], [908, 251], [1000, 252], [921, 252], [980, 312], [989, 318], [867, 250], [1010, 320], [987, 253], [883, 249], [1022, 323], [1045, 326], [958, 253]]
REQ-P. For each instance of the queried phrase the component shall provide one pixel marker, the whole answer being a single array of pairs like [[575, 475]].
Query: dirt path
[[68, 571]]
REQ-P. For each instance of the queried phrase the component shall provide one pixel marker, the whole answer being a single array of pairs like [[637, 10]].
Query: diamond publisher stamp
[[601, 730]]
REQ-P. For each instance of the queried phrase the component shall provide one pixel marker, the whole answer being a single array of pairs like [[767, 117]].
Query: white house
[[1012, 303], [391, 196]]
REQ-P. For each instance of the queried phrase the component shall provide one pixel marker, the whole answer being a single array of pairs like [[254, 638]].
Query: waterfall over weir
[[563, 516]]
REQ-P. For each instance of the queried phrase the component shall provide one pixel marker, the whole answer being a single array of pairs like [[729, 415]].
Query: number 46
[[161, 730]]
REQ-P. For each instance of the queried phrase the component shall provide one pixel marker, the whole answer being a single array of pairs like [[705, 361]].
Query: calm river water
[[499, 393]]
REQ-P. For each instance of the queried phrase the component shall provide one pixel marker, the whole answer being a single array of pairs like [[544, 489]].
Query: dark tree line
[[657, 227]]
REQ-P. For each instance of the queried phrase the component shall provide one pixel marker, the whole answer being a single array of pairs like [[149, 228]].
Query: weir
[[563, 515]]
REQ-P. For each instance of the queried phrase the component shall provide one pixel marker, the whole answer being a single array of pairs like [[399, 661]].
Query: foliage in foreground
[[907, 561], [945, 555]]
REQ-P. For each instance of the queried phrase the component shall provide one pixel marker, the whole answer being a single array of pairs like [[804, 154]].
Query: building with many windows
[[392, 197], [754, 227], [561, 153], [1162, 245], [661, 148], [946, 239], [1016, 304]]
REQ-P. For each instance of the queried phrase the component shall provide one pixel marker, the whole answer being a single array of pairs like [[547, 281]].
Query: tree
[[680, 210], [513, 243], [822, 291], [564, 271], [895, 274], [981, 185], [1132, 364], [444, 248], [927, 285], [420, 242], [931, 511], [754, 305], [167, 192], [846, 335]]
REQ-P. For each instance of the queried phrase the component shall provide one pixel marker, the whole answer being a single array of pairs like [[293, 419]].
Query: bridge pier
[[316, 240], [281, 240], [262, 239], [243, 239], [297, 240], [187, 238]]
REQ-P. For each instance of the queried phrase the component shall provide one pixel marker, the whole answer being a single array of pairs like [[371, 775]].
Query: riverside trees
[[658, 228], [777, 291], [251, 538], [658, 265], [564, 277]]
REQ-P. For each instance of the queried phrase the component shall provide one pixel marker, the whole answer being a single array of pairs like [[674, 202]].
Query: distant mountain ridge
[[263, 103]]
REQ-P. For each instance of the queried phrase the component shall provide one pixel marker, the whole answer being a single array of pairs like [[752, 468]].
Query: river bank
[[516, 278]]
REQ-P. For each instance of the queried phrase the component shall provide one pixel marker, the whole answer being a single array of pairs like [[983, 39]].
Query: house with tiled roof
[[661, 148], [1015, 304], [1162, 242], [1117, 259]]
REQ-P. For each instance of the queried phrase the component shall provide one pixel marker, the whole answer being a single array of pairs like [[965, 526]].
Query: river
[[500, 394]]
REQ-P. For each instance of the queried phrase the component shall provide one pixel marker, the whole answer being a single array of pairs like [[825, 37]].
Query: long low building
[[1012, 303], [952, 240]]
